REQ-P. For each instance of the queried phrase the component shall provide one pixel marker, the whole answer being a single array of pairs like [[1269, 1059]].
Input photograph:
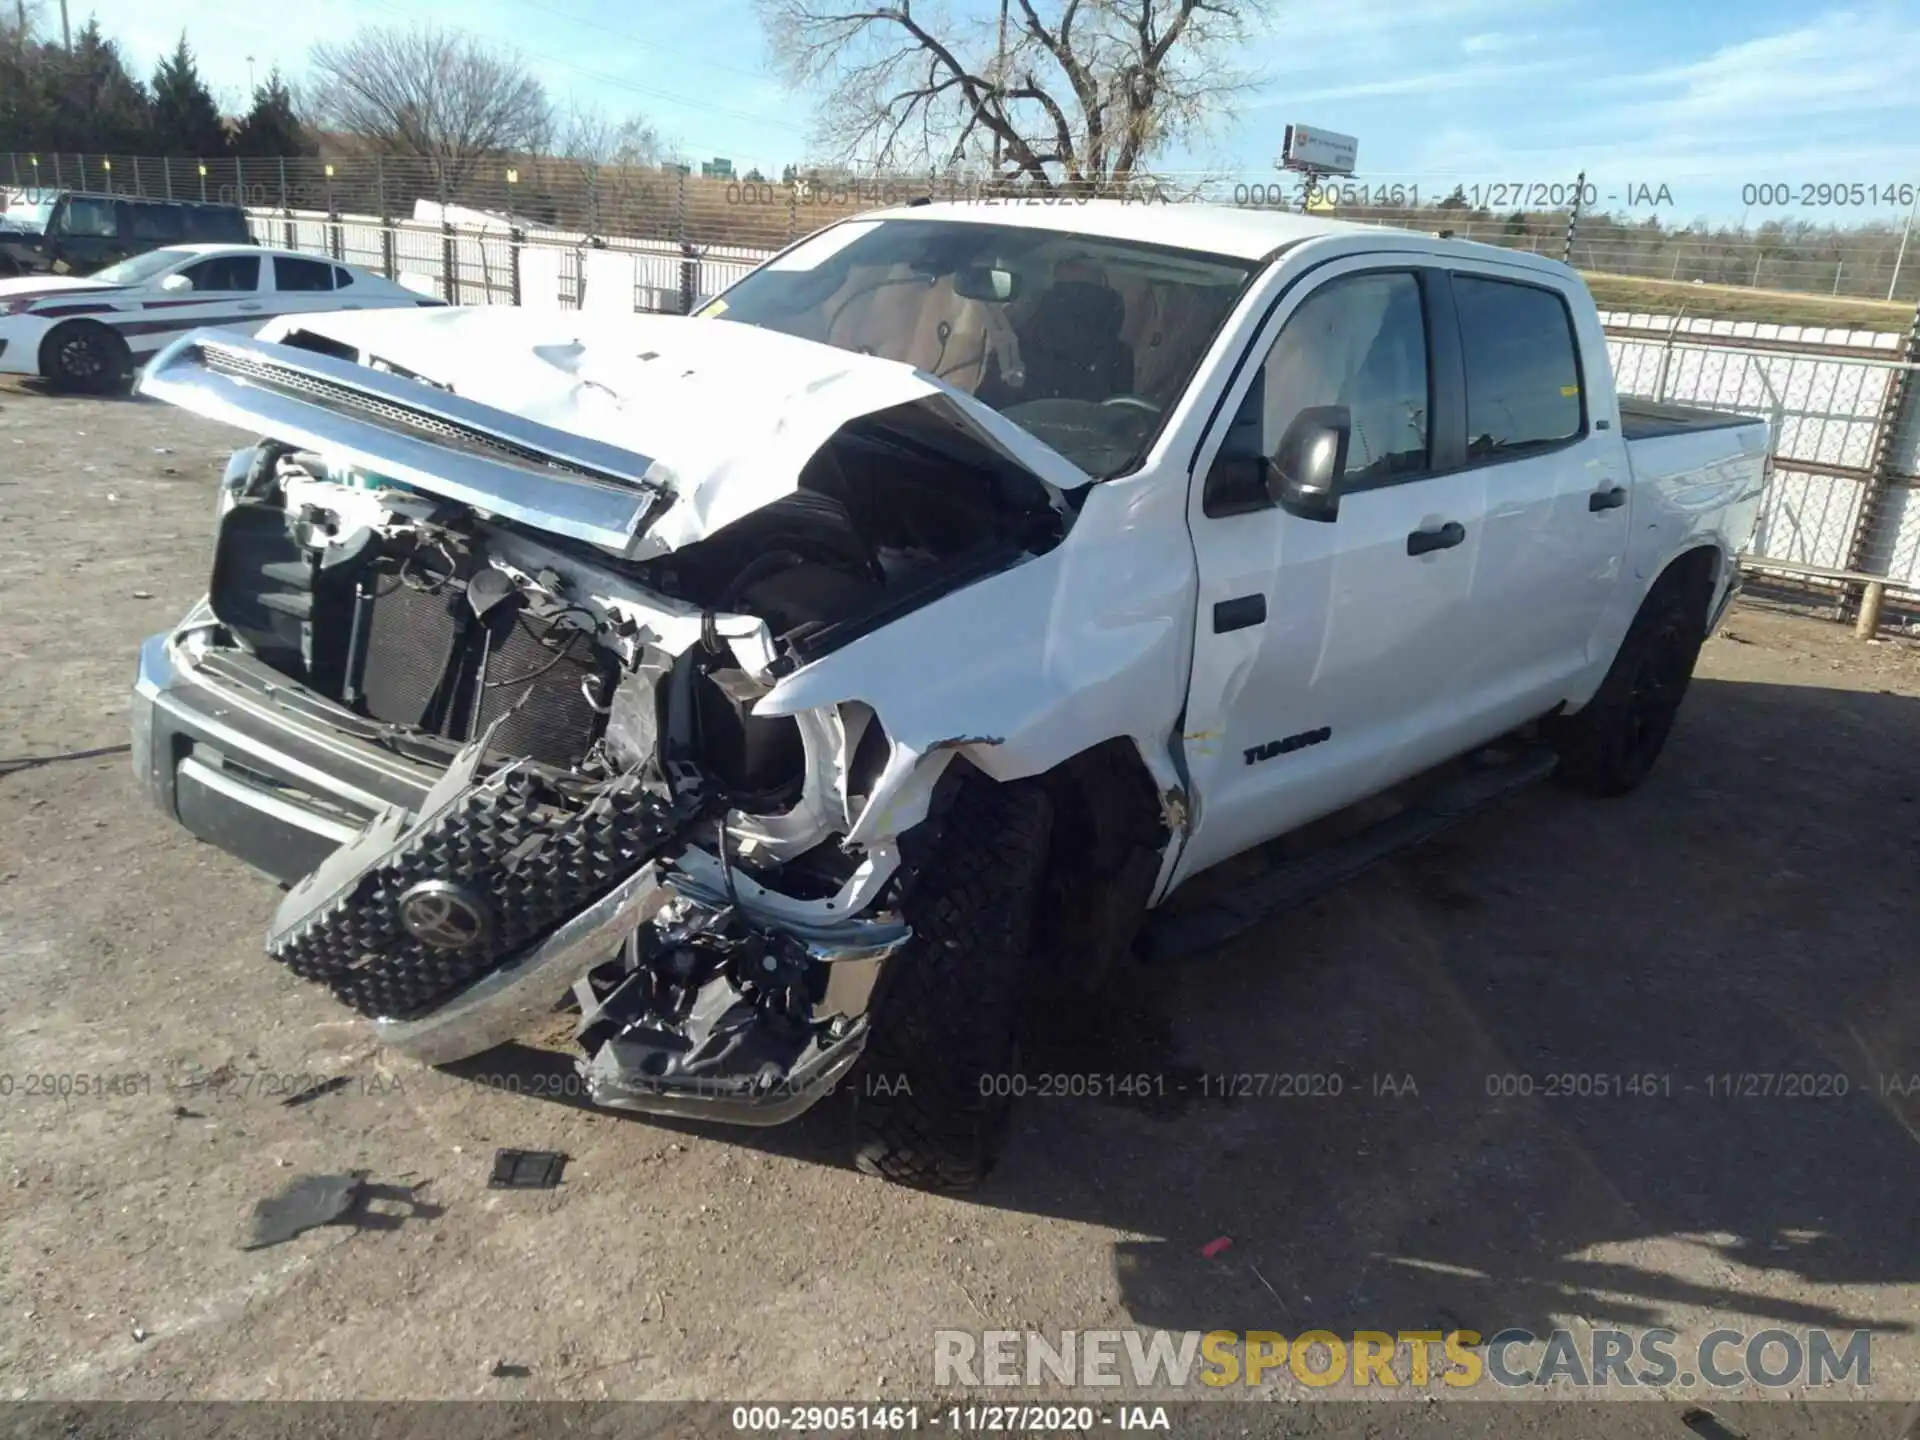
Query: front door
[[225, 291], [1327, 650]]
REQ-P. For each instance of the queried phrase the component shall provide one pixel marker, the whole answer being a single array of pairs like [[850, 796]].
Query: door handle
[[1445, 537], [1238, 613], [1607, 499], [248, 305]]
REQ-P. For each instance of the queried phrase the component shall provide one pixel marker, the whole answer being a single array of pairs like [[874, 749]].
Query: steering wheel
[[1139, 402]]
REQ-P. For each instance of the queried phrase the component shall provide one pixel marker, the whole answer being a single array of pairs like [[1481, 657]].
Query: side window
[[89, 217], [1523, 366], [158, 224], [1359, 342], [294, 274], [342, 277], [225, 272], [219, 224]]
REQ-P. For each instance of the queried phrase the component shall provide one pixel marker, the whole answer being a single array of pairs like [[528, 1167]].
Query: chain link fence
[[764, 212]]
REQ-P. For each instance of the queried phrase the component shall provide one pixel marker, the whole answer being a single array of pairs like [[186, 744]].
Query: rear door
[[1558, 490], [1327, 652]]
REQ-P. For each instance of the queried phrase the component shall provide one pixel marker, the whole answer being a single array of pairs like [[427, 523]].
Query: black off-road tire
[[1609, 747], [85, 357], [932, 1092]]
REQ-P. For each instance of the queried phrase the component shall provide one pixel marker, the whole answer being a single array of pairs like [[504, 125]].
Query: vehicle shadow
[[1576, 1057]]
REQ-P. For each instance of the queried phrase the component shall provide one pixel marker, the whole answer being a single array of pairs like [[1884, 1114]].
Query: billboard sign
[[1323, 152]]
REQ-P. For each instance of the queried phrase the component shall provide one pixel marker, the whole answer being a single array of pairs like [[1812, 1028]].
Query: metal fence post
[[449, 260], [1573, 216], [1864, 549], [689, 257], [139, 187], [516, 238], [388, 237]]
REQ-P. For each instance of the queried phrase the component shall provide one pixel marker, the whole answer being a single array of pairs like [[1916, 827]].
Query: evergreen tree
[[89, 102], [185, 119], [272, 127]]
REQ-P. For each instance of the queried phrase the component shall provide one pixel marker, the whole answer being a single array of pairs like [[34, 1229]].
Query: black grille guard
[[413, 432]]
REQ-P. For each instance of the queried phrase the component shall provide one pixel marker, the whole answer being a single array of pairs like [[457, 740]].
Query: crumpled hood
[[723, 416]]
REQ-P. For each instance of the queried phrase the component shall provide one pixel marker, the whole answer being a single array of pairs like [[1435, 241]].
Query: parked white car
[[89, 333], [841, 680]]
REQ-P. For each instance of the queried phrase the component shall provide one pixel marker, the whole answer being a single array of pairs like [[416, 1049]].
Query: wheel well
[[1109, 832], [51, 339], [1697, 573]]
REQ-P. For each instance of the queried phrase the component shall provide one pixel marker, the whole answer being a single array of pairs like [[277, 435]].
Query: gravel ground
[[1751, 911]]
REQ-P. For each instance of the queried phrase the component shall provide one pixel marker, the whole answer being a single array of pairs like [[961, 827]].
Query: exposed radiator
[[549, 682]]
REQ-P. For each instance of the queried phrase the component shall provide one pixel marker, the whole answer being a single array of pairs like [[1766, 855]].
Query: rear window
[[342, 277], [1523, 366], [294, 274]]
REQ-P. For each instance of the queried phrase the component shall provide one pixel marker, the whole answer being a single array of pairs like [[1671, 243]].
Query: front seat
[[1072, 347]]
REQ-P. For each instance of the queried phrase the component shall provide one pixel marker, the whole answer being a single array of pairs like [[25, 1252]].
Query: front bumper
[[278, 791], [265, 776]]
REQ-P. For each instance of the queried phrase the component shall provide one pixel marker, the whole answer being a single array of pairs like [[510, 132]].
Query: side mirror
[[1303, 477], [176, 284]]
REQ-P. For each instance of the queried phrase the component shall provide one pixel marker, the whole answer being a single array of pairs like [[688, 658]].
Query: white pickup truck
[[802, 690]]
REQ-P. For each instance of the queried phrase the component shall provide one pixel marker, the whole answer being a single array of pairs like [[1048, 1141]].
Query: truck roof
[[1242, 232]]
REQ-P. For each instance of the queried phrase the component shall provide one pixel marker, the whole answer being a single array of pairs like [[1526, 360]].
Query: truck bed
[[1644, 419]]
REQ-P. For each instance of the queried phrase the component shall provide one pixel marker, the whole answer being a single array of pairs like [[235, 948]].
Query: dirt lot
[[1751, 912]]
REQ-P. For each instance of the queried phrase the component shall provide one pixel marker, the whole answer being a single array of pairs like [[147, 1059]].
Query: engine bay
[[595, 715]]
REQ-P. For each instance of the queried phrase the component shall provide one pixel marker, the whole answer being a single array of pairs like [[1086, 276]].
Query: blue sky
[[1703, 99]]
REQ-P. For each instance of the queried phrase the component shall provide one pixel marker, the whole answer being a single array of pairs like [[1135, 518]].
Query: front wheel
[[1609, 747], [84, 357], [936, 1082]]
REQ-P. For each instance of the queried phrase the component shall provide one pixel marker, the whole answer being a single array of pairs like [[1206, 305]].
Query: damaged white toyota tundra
[[821, 680]]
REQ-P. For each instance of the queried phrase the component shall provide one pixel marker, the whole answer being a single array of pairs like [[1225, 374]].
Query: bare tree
[[1080, 91], [588, 136], [613, 163], [441, 95]]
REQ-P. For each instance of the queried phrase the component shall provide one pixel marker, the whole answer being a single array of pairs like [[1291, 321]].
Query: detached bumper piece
[[414, 909], [707, 1015]]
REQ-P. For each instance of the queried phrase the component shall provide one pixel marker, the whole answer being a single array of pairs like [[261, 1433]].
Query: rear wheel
[[1609, 747], [84, 356], [934, 1089]]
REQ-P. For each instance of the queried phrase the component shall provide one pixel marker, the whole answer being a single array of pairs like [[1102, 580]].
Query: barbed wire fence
[[701, 213]]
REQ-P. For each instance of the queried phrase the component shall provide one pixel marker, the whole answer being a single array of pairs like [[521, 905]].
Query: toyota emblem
[[444, 915]]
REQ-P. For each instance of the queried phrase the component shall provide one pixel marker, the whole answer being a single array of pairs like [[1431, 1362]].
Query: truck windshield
[[23, 216], [1083, 341]]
